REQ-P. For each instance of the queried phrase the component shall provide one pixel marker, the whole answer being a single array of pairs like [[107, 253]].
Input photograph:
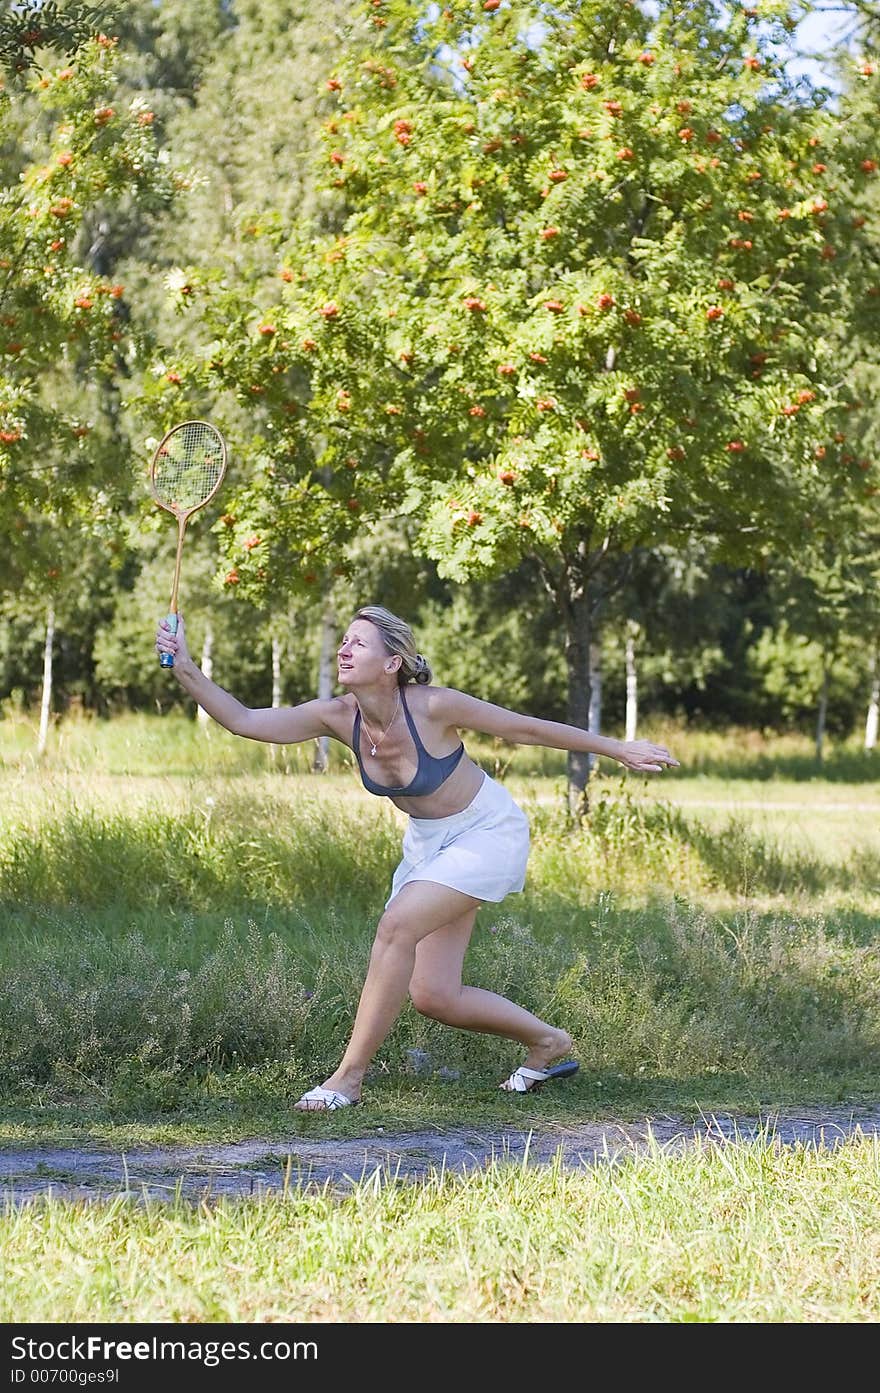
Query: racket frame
[[183, 515]]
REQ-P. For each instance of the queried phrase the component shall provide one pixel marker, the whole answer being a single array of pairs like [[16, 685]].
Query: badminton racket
[[186, 471]]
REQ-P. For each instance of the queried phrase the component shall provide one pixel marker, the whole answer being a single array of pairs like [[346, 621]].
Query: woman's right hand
[[174, 643]]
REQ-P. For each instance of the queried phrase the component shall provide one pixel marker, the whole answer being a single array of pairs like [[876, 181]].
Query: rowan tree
[[580, 303], [31, 28], [63, 330]]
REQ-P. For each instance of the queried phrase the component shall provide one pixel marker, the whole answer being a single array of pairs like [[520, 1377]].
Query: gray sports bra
[[430, 773]]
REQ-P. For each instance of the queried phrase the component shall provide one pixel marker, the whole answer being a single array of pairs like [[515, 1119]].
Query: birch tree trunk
[[46, 700], [873, 718], [632, 682], [325, 678], [276, 672], [207, 666], [594, 714], [277, 648]]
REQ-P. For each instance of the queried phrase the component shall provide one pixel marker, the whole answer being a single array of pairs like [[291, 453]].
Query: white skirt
[[481, 851]]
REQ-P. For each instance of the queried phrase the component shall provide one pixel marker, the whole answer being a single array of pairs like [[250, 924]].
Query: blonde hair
[[398, 639]]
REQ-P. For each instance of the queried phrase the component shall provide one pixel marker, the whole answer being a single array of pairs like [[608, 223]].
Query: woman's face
[[362, 657]]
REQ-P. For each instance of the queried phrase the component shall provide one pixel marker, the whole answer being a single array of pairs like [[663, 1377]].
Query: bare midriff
[[453, 796]]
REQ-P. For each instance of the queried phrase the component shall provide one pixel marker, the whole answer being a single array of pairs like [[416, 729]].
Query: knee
[[391, 929], [434, 1001]]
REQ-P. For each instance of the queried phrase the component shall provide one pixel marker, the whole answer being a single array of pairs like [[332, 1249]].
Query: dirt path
[[260, 1167]]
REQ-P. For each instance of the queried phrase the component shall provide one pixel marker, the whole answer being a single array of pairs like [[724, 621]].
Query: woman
[[466, 842]]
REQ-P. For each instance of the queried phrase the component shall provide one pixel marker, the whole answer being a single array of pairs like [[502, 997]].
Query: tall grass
[[224, 850], [663, 993], [203, 844], [159, 930], [718, 1233]]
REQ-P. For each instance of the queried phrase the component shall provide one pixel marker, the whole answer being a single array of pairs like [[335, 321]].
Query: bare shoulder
[[338, 713], [445, 705], [427, 698], [450, 707]]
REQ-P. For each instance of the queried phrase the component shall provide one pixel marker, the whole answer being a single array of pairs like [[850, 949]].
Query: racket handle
[[167, 659]]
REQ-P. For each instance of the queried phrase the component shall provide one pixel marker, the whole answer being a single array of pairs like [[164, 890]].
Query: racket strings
[[188, 467]]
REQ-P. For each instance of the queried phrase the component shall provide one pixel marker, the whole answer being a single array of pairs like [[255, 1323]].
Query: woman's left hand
[[644, 758]]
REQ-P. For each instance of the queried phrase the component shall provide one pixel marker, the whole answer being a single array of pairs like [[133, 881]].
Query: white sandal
[[322, 1099], [524, 1080]]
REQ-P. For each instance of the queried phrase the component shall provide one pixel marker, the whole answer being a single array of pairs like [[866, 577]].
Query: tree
[[826, 599], [234, 636], [858, 343], [60, 320], [576, 306], [30, 27], [64, 325], [242, 122], [663, 631]]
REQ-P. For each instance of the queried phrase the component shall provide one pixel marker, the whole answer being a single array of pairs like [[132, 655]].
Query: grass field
[[744, 1235], [185, 920]]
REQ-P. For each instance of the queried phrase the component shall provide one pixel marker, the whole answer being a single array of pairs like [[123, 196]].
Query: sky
[[815, 35]]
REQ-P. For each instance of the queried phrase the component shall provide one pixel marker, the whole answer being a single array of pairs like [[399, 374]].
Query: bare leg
[[437, 991], [419, 909]]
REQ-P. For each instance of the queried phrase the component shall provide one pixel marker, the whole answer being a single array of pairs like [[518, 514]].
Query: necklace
[[374, 744]]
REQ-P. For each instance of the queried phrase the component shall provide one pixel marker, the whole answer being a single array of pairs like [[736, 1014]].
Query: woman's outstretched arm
[[282, 725], [463, 711]]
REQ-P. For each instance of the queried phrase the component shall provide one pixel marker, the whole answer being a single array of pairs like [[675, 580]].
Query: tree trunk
[[46, 701], [594, 716], [325, 678], [276, 672], [579, 597], [207, 666], [276, 685], [579, 624], [632, 683], [822, 714], [873, 718]]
